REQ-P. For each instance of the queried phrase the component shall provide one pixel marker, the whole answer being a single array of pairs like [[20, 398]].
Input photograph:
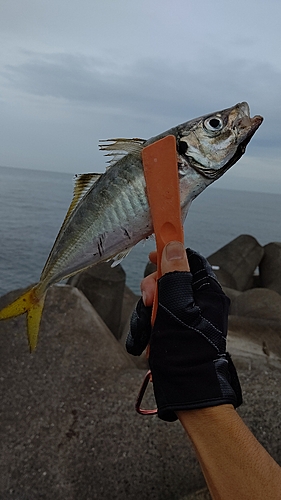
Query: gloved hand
[[188, 360]]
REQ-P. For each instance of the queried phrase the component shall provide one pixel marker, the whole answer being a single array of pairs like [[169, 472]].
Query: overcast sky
[[73, 72]]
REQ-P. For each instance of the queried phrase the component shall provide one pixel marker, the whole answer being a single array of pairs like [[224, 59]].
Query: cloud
[[66, 102], [152, 89], [92, 80]]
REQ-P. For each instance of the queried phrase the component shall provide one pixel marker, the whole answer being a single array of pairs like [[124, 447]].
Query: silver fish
[[109, 212]]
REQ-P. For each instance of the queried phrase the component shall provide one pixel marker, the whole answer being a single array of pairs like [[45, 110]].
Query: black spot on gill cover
[[182, 147]]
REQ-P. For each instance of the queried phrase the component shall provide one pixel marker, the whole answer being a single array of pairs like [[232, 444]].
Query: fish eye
[[213, 124], [182, 147]]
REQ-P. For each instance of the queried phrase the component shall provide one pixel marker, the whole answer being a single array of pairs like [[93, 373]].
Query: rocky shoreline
[[68, 424]]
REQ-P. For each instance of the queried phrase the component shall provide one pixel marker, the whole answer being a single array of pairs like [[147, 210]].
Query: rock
[[239, 259], [254, 342], [225, 279], [270, 267], [258, 303], [104, 286], [256, 280], [68, 427], [231, 293]]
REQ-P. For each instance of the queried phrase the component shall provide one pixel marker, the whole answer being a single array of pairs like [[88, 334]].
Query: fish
[[109, 213]]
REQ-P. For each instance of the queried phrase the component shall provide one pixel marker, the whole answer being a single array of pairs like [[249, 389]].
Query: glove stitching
[[200, 271], [201, 286], [203, 317], [192, 327], [203, 270], [201, 279], [219, 331]]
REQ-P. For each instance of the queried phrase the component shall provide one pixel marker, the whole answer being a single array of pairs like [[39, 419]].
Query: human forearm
[[234, 463]]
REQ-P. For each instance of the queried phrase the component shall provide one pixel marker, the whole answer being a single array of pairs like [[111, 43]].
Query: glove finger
[[198, 264], [207, 291], [178, 298], [203, 274], [140, 329]]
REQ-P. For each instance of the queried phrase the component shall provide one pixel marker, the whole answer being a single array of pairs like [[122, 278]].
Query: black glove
[[188, 360], [140, 329]]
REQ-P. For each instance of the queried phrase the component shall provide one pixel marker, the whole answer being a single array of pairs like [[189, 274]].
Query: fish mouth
[[256, 121]]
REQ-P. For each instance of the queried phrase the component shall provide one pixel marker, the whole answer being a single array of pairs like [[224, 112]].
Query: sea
[[33, 205]]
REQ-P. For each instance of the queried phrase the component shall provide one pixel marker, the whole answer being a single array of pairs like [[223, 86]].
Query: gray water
[[33, 205]]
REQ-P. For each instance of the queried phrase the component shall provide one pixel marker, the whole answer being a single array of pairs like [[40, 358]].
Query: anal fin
[[120, 256]]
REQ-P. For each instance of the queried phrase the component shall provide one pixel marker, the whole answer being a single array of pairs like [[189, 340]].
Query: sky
[[73, 72]]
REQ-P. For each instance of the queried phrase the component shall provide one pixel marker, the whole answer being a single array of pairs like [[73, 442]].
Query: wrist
[[209, 416], [202, 425]]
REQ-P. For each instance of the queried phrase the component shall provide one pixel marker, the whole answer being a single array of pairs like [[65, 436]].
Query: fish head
[[213, 143]]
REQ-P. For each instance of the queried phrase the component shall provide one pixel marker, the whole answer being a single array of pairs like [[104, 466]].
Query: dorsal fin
[[82, 184], [121, 147]]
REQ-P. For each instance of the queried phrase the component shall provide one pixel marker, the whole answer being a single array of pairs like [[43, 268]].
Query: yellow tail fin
[[31, 303]]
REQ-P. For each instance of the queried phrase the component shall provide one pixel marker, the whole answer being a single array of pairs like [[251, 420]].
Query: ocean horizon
[[33, 204]]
